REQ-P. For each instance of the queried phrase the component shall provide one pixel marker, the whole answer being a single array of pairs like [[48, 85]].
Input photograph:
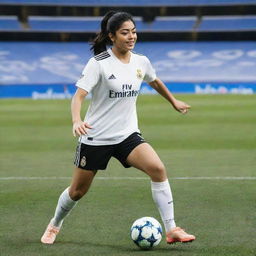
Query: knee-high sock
[[64, 206], [162, 196]]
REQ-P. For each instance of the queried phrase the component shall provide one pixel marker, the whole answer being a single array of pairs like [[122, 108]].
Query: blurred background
[[196, 46]]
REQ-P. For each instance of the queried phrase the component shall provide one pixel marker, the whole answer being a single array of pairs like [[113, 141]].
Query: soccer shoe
[[178, 235], [50, 234]]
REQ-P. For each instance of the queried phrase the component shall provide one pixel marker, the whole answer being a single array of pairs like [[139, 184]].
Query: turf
[[216, 139]]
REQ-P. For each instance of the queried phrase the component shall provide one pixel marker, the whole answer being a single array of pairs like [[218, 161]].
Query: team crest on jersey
[[139, 74], [83, 161]]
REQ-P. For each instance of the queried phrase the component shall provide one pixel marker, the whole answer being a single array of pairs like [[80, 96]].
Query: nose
[[132, 35]]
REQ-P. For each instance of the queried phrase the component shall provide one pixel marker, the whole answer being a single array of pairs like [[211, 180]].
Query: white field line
[[131, 178]]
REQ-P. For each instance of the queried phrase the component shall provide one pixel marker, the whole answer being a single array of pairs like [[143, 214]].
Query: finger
[[82, 130], [77, 132], [184, 111], [87, 125], [74, 131]]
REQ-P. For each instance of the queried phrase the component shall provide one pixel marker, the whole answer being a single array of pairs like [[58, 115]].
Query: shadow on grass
[[34, 247], [124, 249]]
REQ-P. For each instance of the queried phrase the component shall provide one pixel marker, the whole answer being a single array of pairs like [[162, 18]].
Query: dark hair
[[111, 22]]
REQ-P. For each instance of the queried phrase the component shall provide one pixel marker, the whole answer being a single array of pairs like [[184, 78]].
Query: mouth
[[130, 43]]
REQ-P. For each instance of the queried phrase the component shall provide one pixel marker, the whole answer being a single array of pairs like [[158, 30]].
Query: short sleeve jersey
[[114, 87]]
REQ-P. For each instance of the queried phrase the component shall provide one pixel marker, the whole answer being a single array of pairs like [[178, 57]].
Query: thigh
[[123, 149], [144, 158]]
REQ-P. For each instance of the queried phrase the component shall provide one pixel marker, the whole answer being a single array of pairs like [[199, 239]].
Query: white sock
[[162, 196], [64, 206]]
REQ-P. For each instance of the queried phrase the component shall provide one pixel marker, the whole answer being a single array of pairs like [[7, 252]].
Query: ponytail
[[100, 42], [111, 22]]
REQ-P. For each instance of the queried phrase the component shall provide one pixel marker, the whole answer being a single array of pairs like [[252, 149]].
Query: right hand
[[80, 128]]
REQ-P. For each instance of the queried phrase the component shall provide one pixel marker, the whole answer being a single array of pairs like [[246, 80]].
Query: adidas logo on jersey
[[112, 77]]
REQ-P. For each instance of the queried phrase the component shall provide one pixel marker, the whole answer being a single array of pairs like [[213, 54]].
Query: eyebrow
[[126, 29]]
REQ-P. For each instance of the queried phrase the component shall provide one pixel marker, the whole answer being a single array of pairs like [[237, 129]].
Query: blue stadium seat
[[9, 23], [167, 24], [128, 2], [92, 24], [227, 23], [62, 24]]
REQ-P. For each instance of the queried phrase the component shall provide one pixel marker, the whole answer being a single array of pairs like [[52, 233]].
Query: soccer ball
[[146, 232]]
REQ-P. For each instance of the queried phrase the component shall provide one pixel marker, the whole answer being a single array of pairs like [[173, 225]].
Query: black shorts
[[90, 157]]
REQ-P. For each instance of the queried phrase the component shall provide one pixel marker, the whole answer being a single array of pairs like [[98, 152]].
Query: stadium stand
[[227, 23], [163, 24], [92, 24], [49, 70], [148, 9], [68, 24], [184, 39], [129, 2], [8, 23], [78, 20]]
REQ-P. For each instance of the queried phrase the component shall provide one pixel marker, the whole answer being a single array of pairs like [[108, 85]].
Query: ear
[[112, 37]]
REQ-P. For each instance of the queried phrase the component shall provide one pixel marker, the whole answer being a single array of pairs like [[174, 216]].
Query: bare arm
[[160, 87], [79, 127]]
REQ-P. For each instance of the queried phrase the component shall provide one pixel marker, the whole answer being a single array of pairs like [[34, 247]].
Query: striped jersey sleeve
[[102, 56]]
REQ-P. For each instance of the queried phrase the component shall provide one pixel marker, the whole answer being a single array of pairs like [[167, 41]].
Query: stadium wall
[[50, 70], [65, 91]]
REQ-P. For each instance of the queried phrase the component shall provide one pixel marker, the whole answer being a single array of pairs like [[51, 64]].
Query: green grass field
[[216, 139]]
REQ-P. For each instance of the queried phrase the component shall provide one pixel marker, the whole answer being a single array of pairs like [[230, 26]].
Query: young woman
[[110, 128]]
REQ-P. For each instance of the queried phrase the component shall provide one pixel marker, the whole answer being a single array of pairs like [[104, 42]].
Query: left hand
[[181, 106]]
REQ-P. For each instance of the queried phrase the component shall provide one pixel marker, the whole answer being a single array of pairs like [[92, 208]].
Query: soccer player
[[110, 128]]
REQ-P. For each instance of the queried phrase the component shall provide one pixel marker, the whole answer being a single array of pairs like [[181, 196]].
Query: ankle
[[55, 223]]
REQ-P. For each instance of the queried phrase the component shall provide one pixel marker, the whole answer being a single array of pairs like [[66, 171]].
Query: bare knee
[[157, 172], [81, 183], [76, 194]]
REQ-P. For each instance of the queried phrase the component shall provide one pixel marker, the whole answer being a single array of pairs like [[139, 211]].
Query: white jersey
[[114, 87]]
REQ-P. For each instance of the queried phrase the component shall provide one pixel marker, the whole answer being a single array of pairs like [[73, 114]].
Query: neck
[[123, 56]]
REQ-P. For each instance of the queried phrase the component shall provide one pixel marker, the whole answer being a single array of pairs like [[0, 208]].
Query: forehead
[[127, 25]]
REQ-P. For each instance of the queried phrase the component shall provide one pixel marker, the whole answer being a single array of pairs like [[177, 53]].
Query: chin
[[131, 47], [127, 48]]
